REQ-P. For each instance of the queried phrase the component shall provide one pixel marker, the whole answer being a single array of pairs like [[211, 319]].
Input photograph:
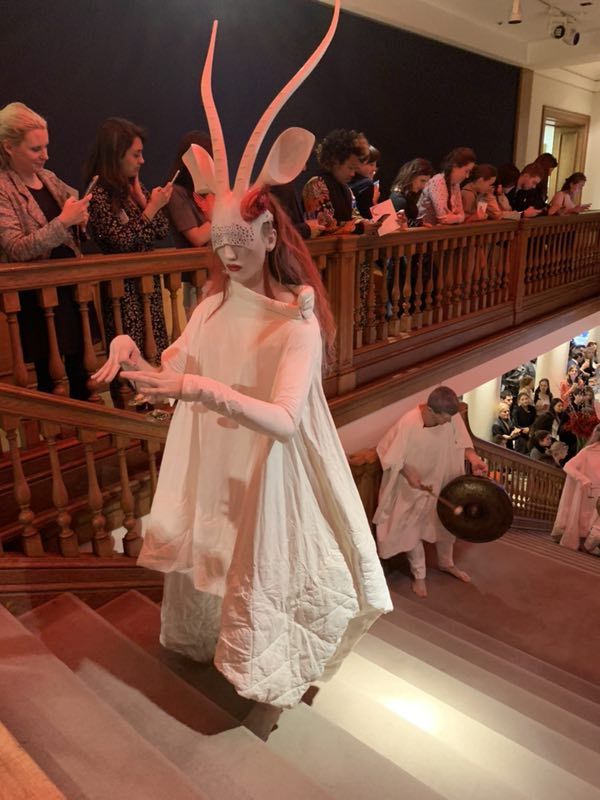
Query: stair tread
[[83, 746], [497, 655], [452, 753], [535, 724], [259, 771], [355, 772], [138, 618]]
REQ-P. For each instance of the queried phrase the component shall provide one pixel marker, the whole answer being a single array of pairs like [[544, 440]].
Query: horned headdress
[[287, 156]]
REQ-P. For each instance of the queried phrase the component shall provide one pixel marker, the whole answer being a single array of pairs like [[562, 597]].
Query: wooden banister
[[64, 411]]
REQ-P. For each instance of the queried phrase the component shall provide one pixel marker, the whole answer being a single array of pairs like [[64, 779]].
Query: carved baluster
[[382, 313], [457, 296], [438, 266], [476, 273], [406, 319], [67, 538], [430, 256], [173, 285], [146, 283], [48, 300], [151, 447], [359, 334], [448, 291], [508, 250], [10, 305], [101, 540], [116, 291], [31, 539], [418, 314], [132, 541], [395, 321], [371, 303], [84, 294], [484, 254]]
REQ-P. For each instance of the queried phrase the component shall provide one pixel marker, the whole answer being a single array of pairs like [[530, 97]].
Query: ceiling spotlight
[[572, 35], [558, 30], [515, 14]]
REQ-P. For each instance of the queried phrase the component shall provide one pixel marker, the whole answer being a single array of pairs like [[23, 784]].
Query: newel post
[[342, 304], [518, 269]]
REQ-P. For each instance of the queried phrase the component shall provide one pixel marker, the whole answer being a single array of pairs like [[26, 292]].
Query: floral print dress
[[128, 231]]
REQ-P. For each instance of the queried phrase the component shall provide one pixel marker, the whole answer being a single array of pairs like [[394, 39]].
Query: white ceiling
[[482, 26]]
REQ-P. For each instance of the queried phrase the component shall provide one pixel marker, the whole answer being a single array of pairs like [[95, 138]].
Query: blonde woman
[[39, 219]]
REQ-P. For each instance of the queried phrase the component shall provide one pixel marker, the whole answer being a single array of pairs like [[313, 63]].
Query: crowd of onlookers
[[42, 217], [531, 421]]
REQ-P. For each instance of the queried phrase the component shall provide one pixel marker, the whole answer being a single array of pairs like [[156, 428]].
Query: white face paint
[[242, 246]]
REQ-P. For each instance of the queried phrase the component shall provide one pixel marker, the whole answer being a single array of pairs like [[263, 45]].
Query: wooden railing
[[398, 300], [121, 434], [534, 489]]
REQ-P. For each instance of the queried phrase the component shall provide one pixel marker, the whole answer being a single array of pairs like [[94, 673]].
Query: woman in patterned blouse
[[441, 202], [126, 218]]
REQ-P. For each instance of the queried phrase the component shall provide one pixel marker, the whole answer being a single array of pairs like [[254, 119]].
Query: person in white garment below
[[427, 447]]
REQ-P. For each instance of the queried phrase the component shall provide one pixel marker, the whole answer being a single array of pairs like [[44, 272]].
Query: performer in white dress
[[256, 517], [577, 517], [426, 447]]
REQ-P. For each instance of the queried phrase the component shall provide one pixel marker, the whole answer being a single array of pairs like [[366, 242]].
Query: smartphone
[[91, 184]]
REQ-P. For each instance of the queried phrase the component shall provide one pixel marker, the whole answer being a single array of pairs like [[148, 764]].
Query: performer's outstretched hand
[[123, 351], [157, 386]]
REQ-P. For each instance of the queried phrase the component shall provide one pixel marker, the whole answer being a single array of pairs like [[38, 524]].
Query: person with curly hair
[[327, 196]]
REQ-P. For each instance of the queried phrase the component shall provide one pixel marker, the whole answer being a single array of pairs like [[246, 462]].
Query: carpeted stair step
[[461, 687], [562, 688], [87, 750], [346, 767], [138, 618], [259, 772], [20, 777], [449, 749]]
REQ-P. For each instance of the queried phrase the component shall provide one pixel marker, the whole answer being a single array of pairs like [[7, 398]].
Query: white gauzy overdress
[[405, 515], [577, 507], [256, 504]]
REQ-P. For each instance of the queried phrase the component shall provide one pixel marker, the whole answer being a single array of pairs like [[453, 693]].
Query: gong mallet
[[456, 510]]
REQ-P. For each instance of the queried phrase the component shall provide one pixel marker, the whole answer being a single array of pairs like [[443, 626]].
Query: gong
[[487, 511]]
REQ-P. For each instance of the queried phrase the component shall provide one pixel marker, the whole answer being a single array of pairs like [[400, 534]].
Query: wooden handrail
[[18, 402]]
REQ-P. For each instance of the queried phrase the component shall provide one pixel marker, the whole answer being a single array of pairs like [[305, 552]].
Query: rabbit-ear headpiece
[[287, 156]]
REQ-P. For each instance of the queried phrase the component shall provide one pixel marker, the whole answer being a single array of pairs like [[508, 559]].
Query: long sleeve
[[281, 416], [130, 232], [21, 246]]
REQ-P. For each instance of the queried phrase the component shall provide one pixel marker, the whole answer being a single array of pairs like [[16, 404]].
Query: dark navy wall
[[79, 61]]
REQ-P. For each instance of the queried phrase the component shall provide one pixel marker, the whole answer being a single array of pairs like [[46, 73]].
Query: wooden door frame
[[568, 118]]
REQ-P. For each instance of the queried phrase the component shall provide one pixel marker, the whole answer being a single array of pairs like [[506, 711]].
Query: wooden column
[[146, 283], [102, 540], [132, 541], [48, 300], [84, 294], [342, 304], [10, 305], [173, 285], [31, 539], [67, 538]]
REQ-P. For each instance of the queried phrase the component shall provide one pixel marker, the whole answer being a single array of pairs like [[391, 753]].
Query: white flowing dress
[[256, 516], [577, 513], [404, 515]]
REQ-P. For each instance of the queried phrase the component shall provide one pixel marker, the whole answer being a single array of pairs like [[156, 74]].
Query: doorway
[[565, 135]]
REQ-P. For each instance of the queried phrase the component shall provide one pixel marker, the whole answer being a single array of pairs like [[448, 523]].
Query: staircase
[[434, 702]]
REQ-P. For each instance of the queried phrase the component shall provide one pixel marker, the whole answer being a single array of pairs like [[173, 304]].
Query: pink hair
[[290, 262]]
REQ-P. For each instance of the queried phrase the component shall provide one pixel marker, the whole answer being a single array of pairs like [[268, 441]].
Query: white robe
[[404, 515], [577, 508], [256, 508]]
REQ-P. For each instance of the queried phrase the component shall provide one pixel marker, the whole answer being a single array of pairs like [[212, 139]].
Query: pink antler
[[244, 173], [214, 123]]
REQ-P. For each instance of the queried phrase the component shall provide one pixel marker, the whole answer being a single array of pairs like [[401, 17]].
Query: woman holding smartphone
[[126, 218], [39, 218]]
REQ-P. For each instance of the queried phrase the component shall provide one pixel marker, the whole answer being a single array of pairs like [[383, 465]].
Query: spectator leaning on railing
[[441, 202]]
